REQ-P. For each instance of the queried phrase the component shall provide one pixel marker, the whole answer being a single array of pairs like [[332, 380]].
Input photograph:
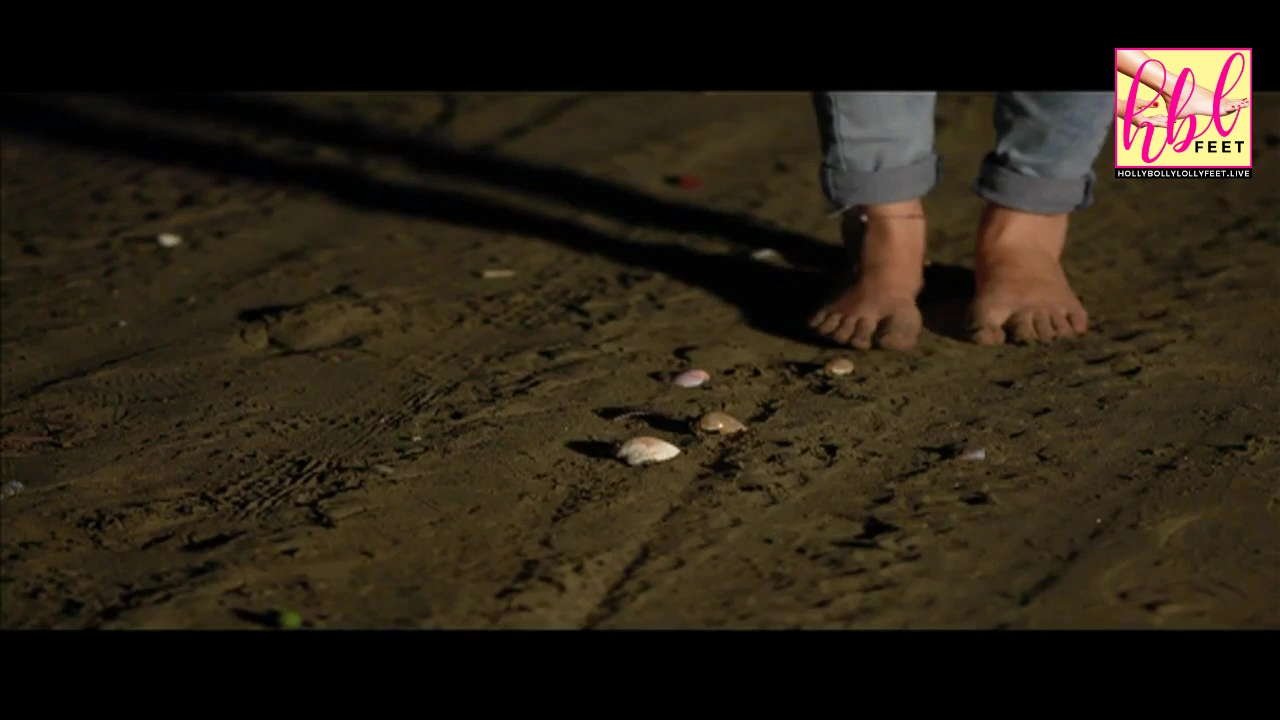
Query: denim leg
[[1046, 143], [876, 147]]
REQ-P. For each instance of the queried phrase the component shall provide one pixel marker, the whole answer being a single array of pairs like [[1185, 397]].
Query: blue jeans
[[878, 148]]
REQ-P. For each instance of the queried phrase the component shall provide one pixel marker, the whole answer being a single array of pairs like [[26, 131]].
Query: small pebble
[[975, 453], [11, 488], [839, 366], [643, 450], [766, 255], [497, 274], [169, 240], [719, 422], [384, 469], [691, 378]]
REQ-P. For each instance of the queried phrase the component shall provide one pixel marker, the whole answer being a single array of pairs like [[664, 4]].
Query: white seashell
[[169, 240], [719, 422], [973, 453], [839, 366], [691, 378], [642, 450], [497, 274]]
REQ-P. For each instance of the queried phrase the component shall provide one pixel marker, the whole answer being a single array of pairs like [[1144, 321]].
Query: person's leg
[[1039, 173], [878, 161]]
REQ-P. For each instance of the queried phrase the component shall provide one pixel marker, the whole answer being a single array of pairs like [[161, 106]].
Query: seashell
[[691, 378], [643, 450], [973, 453], [839, 366], [497, 274], [169, 240], [719, 422]]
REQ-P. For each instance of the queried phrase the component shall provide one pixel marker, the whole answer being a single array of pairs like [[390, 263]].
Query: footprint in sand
[[319, 325]]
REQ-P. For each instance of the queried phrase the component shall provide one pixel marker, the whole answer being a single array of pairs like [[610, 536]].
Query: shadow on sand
[[772, 298]]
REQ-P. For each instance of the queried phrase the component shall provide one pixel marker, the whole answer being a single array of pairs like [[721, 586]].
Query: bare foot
[[1022, 291], [1139, 106], [880, 307], [1199, 103]]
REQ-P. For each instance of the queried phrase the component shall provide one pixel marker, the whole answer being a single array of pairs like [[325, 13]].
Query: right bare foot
[[880, 307]]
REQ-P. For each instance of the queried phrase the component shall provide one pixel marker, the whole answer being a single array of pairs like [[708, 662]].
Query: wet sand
[[317, 402]]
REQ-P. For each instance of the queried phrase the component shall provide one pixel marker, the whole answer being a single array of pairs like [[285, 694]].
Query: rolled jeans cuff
[[849, 189], [1049, 196]]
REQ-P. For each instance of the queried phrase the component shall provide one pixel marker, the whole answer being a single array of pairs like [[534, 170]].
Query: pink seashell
[[691, 378]]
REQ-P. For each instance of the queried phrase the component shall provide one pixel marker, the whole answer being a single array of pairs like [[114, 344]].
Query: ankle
[[892, 273], [894, 252], [1005, 231]]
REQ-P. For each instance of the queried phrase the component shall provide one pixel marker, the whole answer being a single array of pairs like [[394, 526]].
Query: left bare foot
[[1022, 291]]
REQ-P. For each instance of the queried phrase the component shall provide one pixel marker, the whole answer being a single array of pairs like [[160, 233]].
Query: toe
[[899, 331], [830, 323], [988, 335], [1043, 323], [1079, 320], [818, 317], [845, 331], [863, 333], [987, 324], [1061, 325], [1022, 327]]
